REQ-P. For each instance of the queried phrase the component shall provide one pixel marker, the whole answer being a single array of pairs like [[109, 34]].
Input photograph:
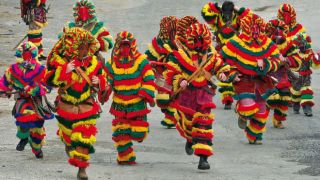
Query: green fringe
[[84, 145]]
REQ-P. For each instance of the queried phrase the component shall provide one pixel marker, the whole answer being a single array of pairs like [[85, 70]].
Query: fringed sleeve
[[103, 36], [210, 13], [57, 75], [147, 89]]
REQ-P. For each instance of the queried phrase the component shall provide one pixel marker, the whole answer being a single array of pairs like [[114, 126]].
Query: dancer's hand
[[260, 64], [237, 78], [95, 80], [222, 77], [70, 66], [184, 84]]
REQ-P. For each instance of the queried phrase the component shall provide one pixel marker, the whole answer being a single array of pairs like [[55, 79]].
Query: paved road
[[292, 153]]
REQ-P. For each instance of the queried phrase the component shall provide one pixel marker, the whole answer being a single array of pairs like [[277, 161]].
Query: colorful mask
[[287, 14], [252, 25], [125, 47], [84, 12], [168, 27], [277, 31]]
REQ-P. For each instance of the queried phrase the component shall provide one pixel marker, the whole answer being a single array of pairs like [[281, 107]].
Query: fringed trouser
[[194, 120], [35, 36], [302, 92], [34, 134], [251, 106], [78, 131], [227, 91], [280, 100], [126, 130]]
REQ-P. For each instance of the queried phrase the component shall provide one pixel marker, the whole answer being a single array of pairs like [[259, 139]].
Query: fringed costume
[[224, 22], [302, 93], [33, 13], [252, 55], [301, 87], [132, 81], [84, 14], [279, 101], [194, 63], [157, 54], [77, 108], [26, 79]]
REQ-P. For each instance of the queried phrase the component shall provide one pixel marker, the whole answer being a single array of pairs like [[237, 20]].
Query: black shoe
[[22, 144], [307, 110], [227, 106], [39, 155], [242, 123], [188, 148], [296, 107], [203, 163]]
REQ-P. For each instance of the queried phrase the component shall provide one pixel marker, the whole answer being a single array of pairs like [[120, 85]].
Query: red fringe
[[243, 108], [133, 81], [199, 84], [307, 91], [119, 120], [208, 136], [86, 130], [38, 136], [71, 116], [283, 85], [202, 121], [309, 103], [227, 99], [251, 138], [29, 118], [208, 106], [168, 116], [256, 126], [183, 109], [139, 123], [129, 114], [262, 115], [183, 62], [66, 138], [126, 152], [203, 152], [279, 118], [181, 132], [78, 163], [148, 98], [121, 137], [305, 73]]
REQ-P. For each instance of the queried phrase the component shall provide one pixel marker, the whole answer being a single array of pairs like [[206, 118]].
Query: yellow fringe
[[127, 157], [75, 153], [78, 137], [294, 92], [202, 146], [139, 129], [223, 84], [121, 143], [74, 100], [163, 96], [91, 122], [153, 51], [131, 70], [205, 131], [120, 126], [64, 129], [198, 114], [121, 101], [127, 87]]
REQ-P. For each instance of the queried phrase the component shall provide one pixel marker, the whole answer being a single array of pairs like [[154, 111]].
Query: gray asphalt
[[292, 153]]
